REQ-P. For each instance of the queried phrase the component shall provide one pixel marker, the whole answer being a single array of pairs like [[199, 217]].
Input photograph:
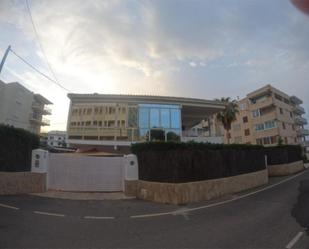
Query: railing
[[45, 122], [298, 109], [300, 120], [47, 110], [42, 108], [303, 132]]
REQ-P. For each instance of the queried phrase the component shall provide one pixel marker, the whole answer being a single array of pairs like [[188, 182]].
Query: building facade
[[22, 108], [96, 120], [268, 115], [56, 139]]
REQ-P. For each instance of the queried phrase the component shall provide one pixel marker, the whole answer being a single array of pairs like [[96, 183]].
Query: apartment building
[[267, 115], [98, 120], [56, 139], [22, 108]]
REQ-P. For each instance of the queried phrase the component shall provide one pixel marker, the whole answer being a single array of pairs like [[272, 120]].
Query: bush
[[185, 162], [283, 154], [15, 148]]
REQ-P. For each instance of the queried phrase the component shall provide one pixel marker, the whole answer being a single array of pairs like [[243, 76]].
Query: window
[[245, 119], [175, 118], [123, 110], [88, 123], [154, 118], [281, 111], [242, 106], [165, 118], [293, 127], [95, 122], [259, 141], [96, 110], [256, 113], [259, 127], [286, 140], [247, 132], [266, 140], [100, 123], [270, 124], [283, 125], [89, 111], [291, 114]]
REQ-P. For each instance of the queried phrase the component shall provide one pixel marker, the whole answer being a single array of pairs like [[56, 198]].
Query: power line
[[38, 71], [42, 49]]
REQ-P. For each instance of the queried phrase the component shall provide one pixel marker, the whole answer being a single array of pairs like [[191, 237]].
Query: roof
[[42, 99], [136, 99]]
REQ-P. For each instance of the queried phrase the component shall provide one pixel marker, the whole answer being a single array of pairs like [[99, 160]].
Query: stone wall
[[182, 193], [285, 169], [22, 183]]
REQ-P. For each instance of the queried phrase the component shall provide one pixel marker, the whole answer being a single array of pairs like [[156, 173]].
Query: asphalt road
[[277, 217]]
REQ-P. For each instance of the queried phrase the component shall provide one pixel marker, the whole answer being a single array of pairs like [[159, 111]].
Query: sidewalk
[[83, 195]]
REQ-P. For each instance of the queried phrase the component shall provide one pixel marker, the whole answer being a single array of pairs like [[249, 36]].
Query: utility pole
[[4, 57]]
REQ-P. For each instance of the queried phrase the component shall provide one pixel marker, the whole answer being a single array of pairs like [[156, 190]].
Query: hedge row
[[186, 162], [283, 154], [16, 146]]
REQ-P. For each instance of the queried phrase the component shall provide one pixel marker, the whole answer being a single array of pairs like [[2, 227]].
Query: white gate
[[69, 172]]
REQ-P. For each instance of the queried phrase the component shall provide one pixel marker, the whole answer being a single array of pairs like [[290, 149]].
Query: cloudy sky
[[201, 49]]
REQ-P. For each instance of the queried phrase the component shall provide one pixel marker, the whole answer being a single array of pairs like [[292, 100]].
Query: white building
[[56, 139], [22, 108]]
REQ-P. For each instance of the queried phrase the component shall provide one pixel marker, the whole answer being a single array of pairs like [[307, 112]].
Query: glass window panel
[[165, 118], [154, 118], [175, 118], [143, 117]]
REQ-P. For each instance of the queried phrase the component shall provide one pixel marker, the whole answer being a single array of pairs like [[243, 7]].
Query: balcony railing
[[41, 108], [39, 120], [300, 120], [302, 132], [45, 122], [299, 110]]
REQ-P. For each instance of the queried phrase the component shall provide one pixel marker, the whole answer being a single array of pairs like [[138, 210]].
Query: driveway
[[273, 217]]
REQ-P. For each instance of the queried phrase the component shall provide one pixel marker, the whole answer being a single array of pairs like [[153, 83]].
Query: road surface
[[276, 217]]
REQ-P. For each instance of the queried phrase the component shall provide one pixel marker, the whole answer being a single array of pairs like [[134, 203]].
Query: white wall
[[70, 172]]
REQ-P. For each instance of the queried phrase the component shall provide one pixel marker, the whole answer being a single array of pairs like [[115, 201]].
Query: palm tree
[[228, 115]]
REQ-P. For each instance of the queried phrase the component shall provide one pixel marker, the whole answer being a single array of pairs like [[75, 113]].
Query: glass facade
[[156, 116]]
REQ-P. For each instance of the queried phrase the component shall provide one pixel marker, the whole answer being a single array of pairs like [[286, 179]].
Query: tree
[[228, 115]]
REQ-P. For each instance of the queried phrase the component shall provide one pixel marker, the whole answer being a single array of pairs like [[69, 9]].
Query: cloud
[[146, 46]]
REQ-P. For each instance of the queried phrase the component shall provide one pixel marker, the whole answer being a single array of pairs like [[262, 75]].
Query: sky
[[194, 48]]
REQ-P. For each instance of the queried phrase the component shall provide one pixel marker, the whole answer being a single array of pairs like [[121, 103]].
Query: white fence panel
[[85, 173]]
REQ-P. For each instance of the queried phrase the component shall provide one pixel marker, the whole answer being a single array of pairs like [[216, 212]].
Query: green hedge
[[283, 154], [16, 146], [186, 162]]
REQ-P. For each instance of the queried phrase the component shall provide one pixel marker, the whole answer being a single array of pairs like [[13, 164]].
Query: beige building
[[100, 120], [268, 114], [22, 108]]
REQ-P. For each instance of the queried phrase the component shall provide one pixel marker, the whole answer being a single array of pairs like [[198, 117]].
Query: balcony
[[41, 108], [262, 103], [300, 120], [38, 120], [299, 110], [302, 132], [295, 100]]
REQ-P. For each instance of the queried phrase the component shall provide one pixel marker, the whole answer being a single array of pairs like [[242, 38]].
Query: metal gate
[[71, 172]]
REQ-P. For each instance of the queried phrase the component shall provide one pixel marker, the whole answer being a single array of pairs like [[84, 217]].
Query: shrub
[[185, 162], [15, 148], [283, 154]]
